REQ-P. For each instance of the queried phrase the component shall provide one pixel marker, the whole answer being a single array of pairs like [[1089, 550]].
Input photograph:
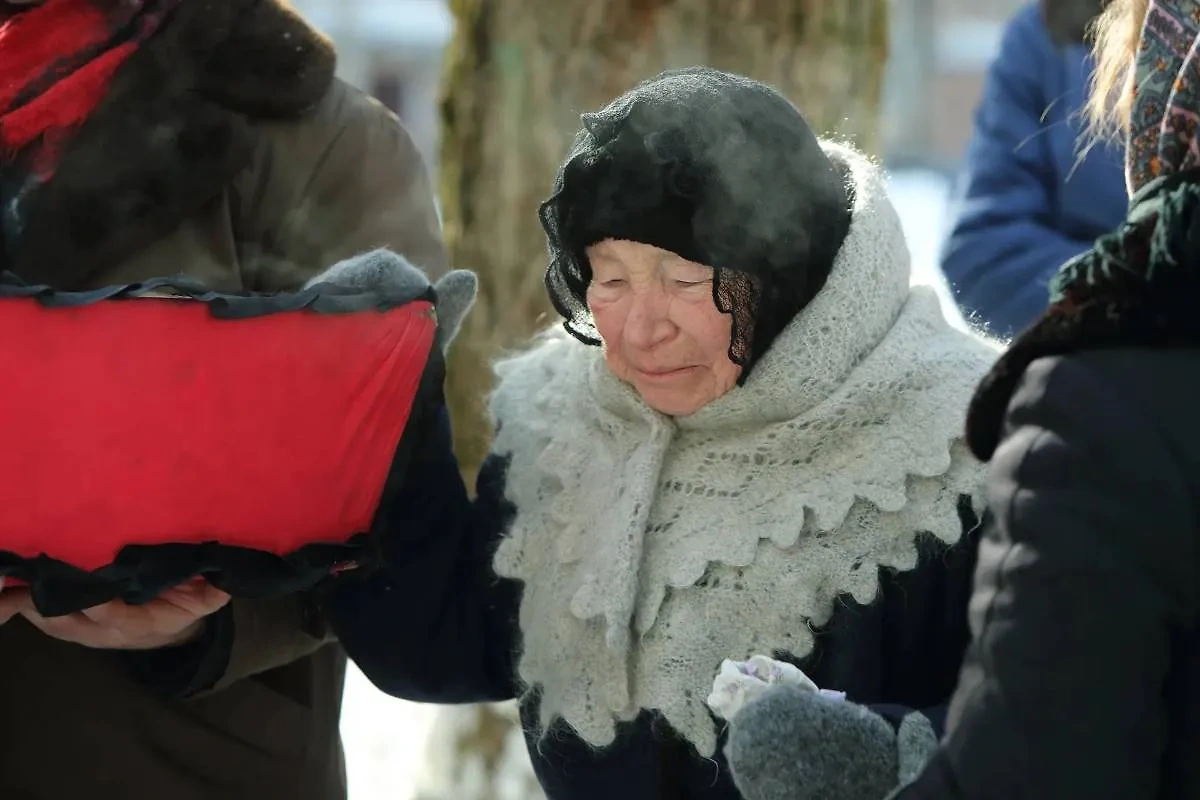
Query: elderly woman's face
[[662, 331]]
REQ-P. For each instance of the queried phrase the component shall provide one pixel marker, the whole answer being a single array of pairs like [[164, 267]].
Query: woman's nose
[[649, 323]]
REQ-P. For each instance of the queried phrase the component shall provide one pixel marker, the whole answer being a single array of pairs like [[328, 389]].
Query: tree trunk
[[477, 753], [518, 75]]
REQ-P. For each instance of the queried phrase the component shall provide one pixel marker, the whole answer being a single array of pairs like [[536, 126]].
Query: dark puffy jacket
[[1083, 680]]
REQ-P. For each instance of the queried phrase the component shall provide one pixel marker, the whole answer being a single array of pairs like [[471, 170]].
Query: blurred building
[[393, 50], [940, 52]]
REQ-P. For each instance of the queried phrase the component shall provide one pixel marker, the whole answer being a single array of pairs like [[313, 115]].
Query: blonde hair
[[1115, 37]]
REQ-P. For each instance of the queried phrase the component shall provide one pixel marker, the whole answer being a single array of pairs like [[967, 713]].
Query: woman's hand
[[173, 618], [740, 682]]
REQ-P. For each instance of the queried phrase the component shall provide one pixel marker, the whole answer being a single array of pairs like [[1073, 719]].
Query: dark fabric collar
[[1067, 21], [1137, 287], [173, 131]]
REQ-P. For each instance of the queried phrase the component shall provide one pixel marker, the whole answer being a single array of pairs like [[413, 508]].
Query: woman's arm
[[1084, 578], [932, 628], [435, 624]]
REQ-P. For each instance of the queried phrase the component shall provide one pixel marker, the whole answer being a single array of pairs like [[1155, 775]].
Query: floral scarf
[[1139, 286]]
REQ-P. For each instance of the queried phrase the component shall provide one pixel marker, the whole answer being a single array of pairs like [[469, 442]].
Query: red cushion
[[151, 421]]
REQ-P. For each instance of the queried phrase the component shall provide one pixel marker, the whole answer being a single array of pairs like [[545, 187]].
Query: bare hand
[[173, 618]]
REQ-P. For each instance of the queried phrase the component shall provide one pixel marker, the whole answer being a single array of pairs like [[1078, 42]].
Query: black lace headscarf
[[717, 168]]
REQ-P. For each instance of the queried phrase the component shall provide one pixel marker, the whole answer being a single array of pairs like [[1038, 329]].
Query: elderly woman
[[1084, 674], [746, 441]]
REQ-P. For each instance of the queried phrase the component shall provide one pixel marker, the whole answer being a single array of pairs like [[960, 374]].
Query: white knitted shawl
[[651, 548]]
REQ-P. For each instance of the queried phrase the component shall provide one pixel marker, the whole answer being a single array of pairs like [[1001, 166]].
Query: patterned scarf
[[57, 60], [1139, 286]]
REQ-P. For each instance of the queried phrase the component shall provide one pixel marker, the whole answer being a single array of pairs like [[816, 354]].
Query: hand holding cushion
[[173, 618], [267, 429]]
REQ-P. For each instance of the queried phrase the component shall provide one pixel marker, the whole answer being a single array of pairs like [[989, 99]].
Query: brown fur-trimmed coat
[[227, 151]]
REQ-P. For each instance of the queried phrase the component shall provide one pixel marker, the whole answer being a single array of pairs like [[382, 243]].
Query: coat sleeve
[[1083, 576], [348, 180], [244, 638], [1003, 248], [927, 625], [435, 624], [343, 181]]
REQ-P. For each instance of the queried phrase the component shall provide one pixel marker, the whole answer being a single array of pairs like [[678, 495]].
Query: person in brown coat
[[140, 138]]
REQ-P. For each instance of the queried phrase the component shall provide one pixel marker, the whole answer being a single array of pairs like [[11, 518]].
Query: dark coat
[[1029, 197], [241, 200], [1069, 21], [437, 625], [1084, 678]]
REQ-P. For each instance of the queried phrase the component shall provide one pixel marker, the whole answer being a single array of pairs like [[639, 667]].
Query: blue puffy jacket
[[1029, 199]]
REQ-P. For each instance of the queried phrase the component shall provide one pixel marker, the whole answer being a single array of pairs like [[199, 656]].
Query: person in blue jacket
[[1031, 196]]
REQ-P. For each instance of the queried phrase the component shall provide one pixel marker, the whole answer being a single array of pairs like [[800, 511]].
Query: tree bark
[[518, 74]]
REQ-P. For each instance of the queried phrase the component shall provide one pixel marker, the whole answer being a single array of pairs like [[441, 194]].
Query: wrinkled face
[[662, 332]]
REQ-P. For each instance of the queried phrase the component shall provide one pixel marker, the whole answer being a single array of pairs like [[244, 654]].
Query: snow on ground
[[384, 740], [921, 200], [385, 737]]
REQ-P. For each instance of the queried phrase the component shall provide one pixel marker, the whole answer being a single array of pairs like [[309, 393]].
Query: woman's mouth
[[664, 374]]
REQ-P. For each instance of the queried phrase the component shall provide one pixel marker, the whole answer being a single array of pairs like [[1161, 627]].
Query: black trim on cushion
[[324, 298], [139, 573]]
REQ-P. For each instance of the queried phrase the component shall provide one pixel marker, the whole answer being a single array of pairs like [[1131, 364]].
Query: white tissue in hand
[[739, 682]]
